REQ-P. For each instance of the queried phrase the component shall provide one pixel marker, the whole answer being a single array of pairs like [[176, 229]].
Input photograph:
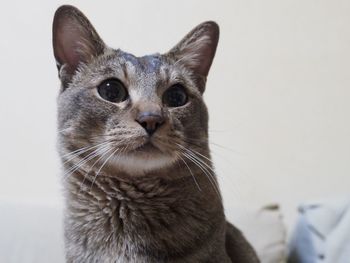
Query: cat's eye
[[112, 90], [175, 96]]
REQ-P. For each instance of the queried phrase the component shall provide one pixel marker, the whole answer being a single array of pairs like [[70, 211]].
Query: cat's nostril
[[150, 121]]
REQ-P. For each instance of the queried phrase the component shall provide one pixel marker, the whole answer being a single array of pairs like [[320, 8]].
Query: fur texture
[[131, 196]]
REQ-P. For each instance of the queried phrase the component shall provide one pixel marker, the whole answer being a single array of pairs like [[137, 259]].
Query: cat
[[133, 140]]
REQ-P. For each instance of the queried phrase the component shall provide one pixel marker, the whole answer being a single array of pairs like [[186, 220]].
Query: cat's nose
[[150, 121]]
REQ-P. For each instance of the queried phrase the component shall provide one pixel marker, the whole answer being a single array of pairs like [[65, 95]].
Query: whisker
[[210, 177], [224, 147], [104, 151], [210, 142], [78, 165], [194, 178], [76, 151], [195, 154], [83, 149], [79, 155], [200, 160], [217, 155], [237, 190], [103, 164], [206, 172], [194, 151]]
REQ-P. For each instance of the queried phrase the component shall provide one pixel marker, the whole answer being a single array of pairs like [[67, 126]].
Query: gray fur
[[126, 202]]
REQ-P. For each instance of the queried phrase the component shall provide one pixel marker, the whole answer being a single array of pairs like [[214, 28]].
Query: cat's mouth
[[146, 147]]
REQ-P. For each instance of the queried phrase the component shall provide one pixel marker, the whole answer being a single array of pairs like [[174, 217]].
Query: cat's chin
[[143, 159], [139, 164]]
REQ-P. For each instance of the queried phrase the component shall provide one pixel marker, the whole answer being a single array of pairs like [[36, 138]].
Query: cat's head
[[137, 114]]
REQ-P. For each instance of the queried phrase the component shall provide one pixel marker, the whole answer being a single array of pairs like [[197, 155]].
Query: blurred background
[[278, 93]]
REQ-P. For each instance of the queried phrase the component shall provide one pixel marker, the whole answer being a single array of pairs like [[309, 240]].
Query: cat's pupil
[[112, 90], [175, 96]]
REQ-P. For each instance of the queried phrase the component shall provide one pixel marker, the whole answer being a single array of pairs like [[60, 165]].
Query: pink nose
[[150, 121]]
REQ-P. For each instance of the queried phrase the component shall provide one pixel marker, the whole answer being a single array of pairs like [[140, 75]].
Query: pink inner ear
[[207, 51], [66, 50], [205, 59], [197, 49], [74, 38]]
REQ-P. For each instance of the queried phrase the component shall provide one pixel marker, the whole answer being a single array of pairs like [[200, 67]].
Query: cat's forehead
[[147, 64]]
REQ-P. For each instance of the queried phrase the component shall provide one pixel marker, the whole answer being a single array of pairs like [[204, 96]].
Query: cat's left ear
[[197, 49], [74, 40]]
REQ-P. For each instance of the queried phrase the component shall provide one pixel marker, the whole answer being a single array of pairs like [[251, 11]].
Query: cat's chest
[[144, 209], [120, 219]]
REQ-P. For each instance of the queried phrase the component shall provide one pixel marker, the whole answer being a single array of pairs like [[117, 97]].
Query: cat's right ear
[[197, 49], [74, 40]]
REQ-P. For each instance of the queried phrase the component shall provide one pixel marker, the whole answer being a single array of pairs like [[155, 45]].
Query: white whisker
[[105, 150], [83, 149], [237, 190], [210, 176], [194, 178], [78, 165], [103, 164], [194, 159]]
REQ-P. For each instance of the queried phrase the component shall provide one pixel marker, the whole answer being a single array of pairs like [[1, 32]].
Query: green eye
[[112, 90], [175, 96]]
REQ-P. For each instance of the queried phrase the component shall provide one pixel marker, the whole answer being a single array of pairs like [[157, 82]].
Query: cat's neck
[[141, 216]]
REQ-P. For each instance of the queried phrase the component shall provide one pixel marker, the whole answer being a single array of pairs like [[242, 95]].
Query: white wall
[[278, 92]]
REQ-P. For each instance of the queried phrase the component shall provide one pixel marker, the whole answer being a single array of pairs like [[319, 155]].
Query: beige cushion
[[264, 229]]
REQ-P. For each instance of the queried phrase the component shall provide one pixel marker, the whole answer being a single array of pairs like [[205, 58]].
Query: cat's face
[[136, 114]]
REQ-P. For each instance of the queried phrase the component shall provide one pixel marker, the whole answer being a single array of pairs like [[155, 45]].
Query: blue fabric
[[302, 248], [322, 234]]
